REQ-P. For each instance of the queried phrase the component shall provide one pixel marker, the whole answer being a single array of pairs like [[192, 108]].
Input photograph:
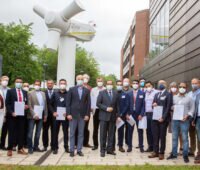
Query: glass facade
[[159, 31]]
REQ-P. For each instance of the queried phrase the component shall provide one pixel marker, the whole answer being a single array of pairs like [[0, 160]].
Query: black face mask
[[161, 87]]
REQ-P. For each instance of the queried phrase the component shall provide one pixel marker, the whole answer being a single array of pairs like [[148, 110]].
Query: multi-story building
[[174, 53], [136, 46]]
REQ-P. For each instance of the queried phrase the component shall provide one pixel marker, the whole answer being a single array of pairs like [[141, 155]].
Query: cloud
[[113, 18]]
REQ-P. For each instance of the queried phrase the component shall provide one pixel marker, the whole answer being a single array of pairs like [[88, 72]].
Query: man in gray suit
[[109, 113], [36, 98], [78, 111]]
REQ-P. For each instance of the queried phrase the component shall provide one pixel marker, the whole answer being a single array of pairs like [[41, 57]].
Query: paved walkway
[[91, 157]]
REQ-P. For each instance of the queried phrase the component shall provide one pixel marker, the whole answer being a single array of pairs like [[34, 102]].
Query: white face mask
[[119, 88], [174, 89], [135, 86], [85, 80], [79, 82], [109, 87], [37, 88], [63, 87], [26, 89], [182, 90], [99, 84], [4, 83], [149, 89], [125, 84]]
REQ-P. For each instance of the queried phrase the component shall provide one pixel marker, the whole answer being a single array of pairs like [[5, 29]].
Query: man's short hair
[[135, 80], [4, 77], [149, 82], [62, 80], [37, 81], [18, 78]]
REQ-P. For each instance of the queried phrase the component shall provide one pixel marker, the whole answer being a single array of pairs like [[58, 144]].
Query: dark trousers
[[130, 134], [107, 130], [86, 134], [31, 124], [4, 132], [16, 132], [96, 128], [45, 134], [65, 128], [149, 130], [159, 136], [121, 136], [25, 132]]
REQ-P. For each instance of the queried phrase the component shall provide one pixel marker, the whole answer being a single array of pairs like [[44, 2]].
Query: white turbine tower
[[63, 32]]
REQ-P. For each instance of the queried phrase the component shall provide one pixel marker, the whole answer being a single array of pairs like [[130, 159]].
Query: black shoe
[[171, 156], [149, 150], [137, 147], [111, 153], [55, 151], [186, 159], [30, 151], [88, 146], [129, 150], [44, 149], [141, 150], [37, 150], [3, 148], [191, 154], [67, 150], [94, 148], [80, 153], [71, 154], [102, 155]]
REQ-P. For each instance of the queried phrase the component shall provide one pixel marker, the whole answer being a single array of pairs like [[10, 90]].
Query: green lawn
[[145, 167]]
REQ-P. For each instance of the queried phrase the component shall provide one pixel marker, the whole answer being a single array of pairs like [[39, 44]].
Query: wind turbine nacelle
[[73, 9], [53, 39], [81, 31]]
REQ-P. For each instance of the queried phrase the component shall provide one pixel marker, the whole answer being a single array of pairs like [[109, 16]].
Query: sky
[[112, 19]]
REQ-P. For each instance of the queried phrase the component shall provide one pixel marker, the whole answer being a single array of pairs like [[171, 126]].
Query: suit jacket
[[50, 103], [139, 104], [104, 101], [11, 98], [197, 102], [32, 101], [78, 107], [164, 100], [123, 103]]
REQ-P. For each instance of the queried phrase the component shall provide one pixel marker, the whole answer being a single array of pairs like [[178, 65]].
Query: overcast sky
[[112, 17]]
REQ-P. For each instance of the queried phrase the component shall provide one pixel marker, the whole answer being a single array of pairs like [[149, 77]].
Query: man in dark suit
[[78, 112], [136, 110], [49, 123], [16, 123], [159, 127], [107, 102]]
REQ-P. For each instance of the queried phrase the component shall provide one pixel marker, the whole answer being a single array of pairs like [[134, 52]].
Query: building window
[[159, 31]]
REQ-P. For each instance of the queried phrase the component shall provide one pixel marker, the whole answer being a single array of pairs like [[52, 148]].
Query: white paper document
[[119, 124], [19, 108], [143, 123], [178, 112], [39, 111], [131, 121], [1, 119], [61, 111], [157, 112]]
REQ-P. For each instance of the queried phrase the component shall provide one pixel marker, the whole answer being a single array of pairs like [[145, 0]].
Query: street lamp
[[45, 69]]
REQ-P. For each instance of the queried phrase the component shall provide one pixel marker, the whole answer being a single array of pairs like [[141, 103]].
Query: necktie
[[50, 93], [110, 94], [19, 96]]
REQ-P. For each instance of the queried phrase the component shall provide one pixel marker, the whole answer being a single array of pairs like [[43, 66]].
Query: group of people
[[137, 104]]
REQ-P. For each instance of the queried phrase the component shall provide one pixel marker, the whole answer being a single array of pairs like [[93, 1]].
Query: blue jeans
[[198, 128], [31, 124], [183, 128]]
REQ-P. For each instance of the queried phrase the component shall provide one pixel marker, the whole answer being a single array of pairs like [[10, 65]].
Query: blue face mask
[[142, 84], [161, 87], [18, 85], [195, 87]]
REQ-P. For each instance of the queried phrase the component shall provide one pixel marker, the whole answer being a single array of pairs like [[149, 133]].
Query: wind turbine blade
[[73, 9], [53, 39], [39, 10]]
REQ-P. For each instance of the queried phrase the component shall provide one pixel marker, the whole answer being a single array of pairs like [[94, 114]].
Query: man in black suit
[[159, 127], [16, 122], [107, 102], [49, 123], [78, 112]]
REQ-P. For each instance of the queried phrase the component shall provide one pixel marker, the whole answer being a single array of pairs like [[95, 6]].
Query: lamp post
[[45, 69]]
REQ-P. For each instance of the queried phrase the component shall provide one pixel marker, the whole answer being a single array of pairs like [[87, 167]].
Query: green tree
[[18, 53], [110, 77]]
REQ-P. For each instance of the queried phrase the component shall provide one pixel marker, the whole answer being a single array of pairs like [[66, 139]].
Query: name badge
[[123, 97], [62, 99], [141, 97], [163, 98]]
